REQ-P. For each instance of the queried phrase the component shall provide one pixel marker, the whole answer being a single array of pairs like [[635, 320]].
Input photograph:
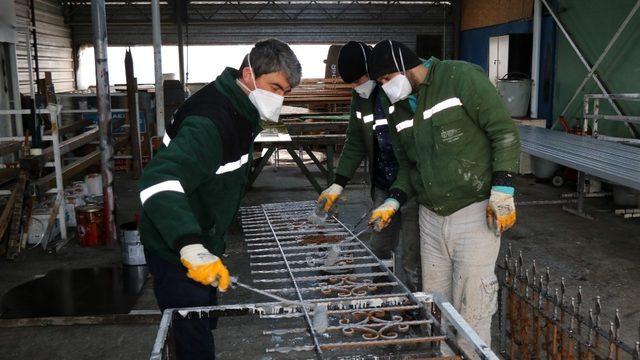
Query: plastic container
[[90, 225], [94, 184], [543, 169], [516, 94], [130, 245]]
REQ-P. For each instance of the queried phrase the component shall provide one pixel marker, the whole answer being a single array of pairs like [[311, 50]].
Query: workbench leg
[[315, 160], [304, 169], [254, 174], [579, 210], [330, 152]]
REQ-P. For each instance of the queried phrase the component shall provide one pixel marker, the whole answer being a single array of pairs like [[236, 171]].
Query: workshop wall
[[54, 44], [592, 24], [483, 13], [474, 47]]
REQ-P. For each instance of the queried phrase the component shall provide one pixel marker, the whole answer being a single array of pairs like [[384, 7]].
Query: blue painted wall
[[474, 47], [474, 44]]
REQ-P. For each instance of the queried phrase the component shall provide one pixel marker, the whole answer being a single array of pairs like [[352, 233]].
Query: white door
[[493, 59], [503, 56], [498, 57]]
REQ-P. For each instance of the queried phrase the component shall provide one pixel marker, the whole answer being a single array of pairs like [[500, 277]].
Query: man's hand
[[204, 267], [501, 211], [330, 196], [381, 216]]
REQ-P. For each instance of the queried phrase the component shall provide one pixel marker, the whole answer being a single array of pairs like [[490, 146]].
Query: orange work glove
[[204, 267], [501, 212], [381, 216], [330, 195]]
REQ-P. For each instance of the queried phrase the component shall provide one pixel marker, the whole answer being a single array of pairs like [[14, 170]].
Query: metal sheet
[[610, 161], [54, 44]]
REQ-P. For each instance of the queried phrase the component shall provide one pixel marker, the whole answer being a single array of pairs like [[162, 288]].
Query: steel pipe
[[100, 44]]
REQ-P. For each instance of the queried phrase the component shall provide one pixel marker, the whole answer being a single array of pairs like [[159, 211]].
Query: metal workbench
[[610, 161]]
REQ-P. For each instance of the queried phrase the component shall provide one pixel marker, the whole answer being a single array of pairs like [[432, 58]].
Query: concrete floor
[[601, 256]]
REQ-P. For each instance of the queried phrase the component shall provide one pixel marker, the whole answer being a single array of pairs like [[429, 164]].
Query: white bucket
[[94, 184], [130, 245], [515, 95]]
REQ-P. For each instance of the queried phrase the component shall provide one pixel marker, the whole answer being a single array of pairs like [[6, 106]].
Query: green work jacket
[[359, 143], [191, 190], [461, 134]]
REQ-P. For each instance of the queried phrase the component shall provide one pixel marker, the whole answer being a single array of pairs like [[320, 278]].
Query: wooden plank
[[72, 143], [70, 170], [142, 318], [5, 218], [10, 147], [301, 127], [134, 126], [14, 244], [325, 139]]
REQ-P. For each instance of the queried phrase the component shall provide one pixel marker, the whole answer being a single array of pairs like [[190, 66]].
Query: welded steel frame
[[163, 346], [272, 242]]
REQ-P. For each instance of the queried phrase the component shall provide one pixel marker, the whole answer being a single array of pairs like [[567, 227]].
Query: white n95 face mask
[[267, 103], [398, 88], [365, 89]]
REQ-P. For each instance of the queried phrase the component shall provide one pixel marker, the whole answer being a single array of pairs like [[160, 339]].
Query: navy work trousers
[[173, 289]]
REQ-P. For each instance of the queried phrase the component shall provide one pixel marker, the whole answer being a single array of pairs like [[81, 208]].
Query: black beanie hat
[[352, 61], [382, 61]]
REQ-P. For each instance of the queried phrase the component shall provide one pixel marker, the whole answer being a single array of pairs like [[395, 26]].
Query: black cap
[[352, 61], [382, 58]]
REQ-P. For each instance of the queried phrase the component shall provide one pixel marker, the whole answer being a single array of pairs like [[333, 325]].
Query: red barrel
[[89, 219]]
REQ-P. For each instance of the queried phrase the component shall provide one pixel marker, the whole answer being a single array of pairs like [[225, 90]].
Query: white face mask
[[365, 89], [398, 88], [268, 104]]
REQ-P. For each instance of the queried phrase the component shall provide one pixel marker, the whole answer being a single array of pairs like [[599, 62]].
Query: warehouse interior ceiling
[[245, 22]]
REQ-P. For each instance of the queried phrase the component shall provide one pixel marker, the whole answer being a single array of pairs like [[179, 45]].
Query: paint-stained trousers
[[459, 254], [402, 237]]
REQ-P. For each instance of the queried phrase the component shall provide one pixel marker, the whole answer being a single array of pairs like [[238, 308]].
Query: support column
[[535, 57], [157, 60], [98, 20]]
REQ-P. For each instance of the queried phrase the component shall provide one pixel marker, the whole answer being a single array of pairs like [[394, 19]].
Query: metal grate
[[370, 312]]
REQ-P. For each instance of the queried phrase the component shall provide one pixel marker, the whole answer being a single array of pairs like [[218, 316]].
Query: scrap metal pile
[[541, 322], [367, 311]]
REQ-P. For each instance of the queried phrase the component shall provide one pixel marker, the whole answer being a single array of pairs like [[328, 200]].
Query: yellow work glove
[[329, 196], [204, 267], [381, 216], [501, 211]]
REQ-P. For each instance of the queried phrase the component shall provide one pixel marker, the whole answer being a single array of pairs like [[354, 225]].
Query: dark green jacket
[[460, 138], [359, 143], [191, 190]]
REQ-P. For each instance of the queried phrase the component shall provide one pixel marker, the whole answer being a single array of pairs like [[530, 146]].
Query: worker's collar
[[226, 84], [430, 64]]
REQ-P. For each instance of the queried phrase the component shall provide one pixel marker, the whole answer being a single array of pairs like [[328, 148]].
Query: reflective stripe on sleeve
[[169, 185], [441, 106], [234, 165], [380, 122], [358, 114], [404, 125], [367, 118]]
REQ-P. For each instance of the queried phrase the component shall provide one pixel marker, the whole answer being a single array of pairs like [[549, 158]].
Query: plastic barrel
[[130, 245], [516, 95]]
